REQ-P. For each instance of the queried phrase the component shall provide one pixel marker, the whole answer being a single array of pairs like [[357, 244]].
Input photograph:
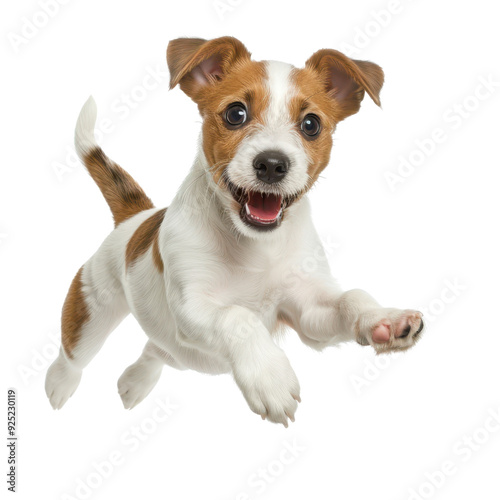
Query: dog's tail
[[124, 196]]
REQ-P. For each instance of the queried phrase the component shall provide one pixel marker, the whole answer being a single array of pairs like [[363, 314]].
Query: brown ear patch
[[179, 52], [145, 236], [74, 315], [196, 64], [330, 86], [346, 80]]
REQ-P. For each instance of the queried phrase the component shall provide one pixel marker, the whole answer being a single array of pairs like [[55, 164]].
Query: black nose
[[271, 166]]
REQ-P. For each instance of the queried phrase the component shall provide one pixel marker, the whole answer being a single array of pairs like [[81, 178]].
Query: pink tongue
[[265, 207]]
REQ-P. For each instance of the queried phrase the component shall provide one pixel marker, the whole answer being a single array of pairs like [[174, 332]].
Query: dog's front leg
[[329, 317], [260, 368]]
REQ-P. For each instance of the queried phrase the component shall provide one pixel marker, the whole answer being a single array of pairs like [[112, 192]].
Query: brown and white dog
[[210, 279]]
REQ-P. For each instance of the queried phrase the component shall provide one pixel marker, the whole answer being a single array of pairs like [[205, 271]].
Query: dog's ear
[[346, 80], [195, 63]]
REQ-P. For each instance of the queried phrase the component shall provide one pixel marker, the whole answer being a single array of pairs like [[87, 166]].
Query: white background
[[368, 427]]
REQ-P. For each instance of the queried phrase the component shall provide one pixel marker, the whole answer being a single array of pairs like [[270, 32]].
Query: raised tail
[[124, 196]]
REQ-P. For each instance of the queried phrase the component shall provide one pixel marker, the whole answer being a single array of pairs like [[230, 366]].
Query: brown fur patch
[[316, 94], [245, 84], [179, 56], [124, 196], [158, 261], [186, 54], [311, 97], [74, 315], [346, 80], [235, 78], [145, 236]]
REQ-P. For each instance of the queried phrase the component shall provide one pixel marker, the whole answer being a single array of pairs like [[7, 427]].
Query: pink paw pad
[[381, 333]]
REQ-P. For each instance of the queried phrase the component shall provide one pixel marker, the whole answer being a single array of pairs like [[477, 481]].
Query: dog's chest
[[251, 288], [254, 282]]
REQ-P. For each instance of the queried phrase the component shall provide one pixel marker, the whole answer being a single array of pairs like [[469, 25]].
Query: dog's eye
[[310, 126], [236, 115]]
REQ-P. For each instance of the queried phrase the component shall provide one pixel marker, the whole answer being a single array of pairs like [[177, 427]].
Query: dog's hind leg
[[139, 379], [94, 307]]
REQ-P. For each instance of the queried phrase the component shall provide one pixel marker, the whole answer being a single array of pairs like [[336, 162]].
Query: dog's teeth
[[247, 209]]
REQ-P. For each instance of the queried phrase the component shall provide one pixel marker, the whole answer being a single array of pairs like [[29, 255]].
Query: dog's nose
[[271, 166]]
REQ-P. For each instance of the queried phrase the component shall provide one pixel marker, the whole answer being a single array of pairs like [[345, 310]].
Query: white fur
[[84, 131], [217, 306]]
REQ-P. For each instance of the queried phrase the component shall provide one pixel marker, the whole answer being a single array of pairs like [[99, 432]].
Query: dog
[[210, 279]]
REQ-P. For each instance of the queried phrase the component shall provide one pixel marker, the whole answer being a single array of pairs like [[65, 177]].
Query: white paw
[[388, 330], [61, 382], [137, 381], [270, 387]]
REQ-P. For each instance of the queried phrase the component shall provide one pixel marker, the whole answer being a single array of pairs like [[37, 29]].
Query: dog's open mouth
[[260, 210]]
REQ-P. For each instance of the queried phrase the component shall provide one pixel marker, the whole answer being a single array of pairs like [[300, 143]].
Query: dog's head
[[267, 126]]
